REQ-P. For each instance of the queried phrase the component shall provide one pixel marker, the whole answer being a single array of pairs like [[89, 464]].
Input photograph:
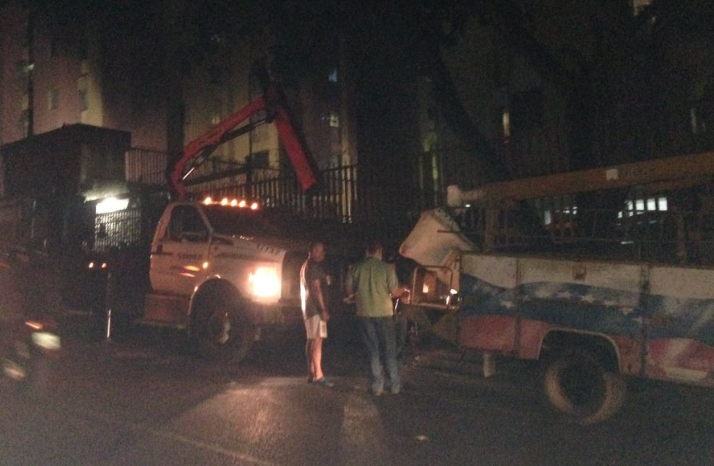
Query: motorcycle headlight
[[46, 340], [264, 282]]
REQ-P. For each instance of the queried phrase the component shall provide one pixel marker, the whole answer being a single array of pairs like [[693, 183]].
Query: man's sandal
[[323, 383]]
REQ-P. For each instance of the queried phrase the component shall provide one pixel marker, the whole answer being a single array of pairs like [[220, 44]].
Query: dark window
[[83, 99], [82, 49], [527, 109], [54, 47], [240, 221], [186, 223], [215, 75], [25, 122], [53, 99], [255, 90], [24, 69], [260, 160]]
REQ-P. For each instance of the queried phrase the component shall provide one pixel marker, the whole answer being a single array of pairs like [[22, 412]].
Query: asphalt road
[[146, 401]]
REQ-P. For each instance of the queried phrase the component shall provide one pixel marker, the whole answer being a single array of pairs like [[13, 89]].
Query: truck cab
[[222, 271]]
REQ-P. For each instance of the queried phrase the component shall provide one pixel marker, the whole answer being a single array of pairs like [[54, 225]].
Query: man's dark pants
[[378, 335]]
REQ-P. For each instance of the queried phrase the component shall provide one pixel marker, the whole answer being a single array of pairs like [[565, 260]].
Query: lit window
[[662, 203], [111, 204], [651, 203], [697, 121], [506, 122], [334, 120]]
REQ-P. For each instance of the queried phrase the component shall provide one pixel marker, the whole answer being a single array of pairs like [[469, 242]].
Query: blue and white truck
[[598, 296]]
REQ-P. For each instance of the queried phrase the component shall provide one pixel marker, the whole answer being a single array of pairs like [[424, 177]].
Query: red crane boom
[[198, 150]]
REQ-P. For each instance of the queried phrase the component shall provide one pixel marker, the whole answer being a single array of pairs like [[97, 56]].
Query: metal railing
[[146, 166], [658, 236], [336, 198], [339, 197]]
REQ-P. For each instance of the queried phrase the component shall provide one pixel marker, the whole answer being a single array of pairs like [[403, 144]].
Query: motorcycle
[[28, 345]]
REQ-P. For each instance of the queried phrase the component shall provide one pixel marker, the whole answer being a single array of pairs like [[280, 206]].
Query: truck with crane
[[220, 269], [602, 276]]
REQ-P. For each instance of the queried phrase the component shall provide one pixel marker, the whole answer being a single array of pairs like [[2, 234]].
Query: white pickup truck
[[220, 270]]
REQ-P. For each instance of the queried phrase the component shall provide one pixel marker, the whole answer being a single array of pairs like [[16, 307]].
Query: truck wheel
[[218, 331], [575, 383]]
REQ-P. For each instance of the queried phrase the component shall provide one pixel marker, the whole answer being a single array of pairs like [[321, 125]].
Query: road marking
[[363, 434], [243, 457], [163, 433]]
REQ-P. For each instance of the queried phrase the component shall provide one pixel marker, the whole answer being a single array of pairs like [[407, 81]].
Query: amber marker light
[[34, 325]]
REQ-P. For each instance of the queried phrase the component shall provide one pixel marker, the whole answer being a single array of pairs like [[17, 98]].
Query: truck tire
[[576, 384], [219, 332]]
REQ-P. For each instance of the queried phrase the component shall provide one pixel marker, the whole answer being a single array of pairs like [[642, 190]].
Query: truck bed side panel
[[680, 312], [511, 303], [525, 298]]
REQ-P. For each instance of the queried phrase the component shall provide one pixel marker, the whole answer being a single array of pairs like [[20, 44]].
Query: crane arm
[[198, 150], [668, 173]]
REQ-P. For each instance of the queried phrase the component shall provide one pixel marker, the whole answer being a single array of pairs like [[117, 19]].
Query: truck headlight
[[264, 282]]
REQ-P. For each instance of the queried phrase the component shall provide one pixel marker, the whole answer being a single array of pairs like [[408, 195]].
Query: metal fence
[[146, 166], [349, 198], [335, 198], [116, 229]]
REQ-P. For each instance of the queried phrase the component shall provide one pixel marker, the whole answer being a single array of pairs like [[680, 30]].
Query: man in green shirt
[[373, 283]]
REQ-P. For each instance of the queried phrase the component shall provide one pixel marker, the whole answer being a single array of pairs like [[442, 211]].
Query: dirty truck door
[[489, 311], [179, 254]]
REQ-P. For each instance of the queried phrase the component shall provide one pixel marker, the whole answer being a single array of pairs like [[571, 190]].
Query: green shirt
[[372, 280]]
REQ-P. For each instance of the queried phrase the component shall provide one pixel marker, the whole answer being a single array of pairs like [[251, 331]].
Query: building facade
[[550, 89]]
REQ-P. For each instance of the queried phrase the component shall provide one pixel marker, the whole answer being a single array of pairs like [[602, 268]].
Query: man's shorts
[[315, 327]]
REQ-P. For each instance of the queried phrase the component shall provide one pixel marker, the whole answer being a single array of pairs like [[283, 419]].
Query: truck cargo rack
[[667, 236]]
